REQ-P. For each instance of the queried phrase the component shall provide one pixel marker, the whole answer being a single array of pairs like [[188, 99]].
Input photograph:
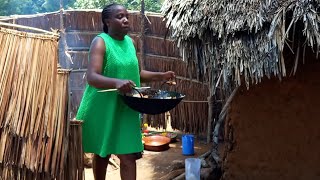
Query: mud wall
[[273, 129]]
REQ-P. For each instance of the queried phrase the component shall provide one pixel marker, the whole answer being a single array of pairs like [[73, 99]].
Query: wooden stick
[[180, 177], [205, 155], [173, 174], [210, 117], [222, 117], [112, 162], [108, 90], [80, 151], [28, 28]]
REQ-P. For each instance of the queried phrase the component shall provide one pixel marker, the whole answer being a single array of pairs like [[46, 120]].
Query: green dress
[[109, 125]]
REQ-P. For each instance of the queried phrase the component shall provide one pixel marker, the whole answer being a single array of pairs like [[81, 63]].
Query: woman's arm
[[148, 76], [94, 71]]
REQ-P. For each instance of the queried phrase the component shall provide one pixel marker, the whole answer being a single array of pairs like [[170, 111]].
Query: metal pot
[[156, 143]]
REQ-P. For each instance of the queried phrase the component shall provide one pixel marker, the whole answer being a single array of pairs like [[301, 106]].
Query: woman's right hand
[[125, 86]]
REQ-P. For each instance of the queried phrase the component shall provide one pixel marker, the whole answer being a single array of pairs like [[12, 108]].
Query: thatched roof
[[229, 39]]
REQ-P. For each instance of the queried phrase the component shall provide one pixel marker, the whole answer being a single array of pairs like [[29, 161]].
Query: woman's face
[[118, 22]]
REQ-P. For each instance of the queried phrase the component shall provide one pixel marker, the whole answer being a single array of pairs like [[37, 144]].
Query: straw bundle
[[33, 101], [74, 165], [42, 157]]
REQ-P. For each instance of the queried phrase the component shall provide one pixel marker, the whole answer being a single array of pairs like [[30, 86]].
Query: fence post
[[142, 35]]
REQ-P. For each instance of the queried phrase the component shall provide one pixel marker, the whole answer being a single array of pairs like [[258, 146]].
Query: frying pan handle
[[171, 82], [137, 91]]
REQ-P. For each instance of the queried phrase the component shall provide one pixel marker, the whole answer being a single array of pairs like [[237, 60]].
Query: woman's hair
[[106, 14]]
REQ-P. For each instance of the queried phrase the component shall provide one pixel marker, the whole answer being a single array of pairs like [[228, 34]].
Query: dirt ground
[[155, 165]]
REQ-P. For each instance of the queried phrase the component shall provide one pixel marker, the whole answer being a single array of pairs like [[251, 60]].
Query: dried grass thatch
[[74, 167], [238, 38], [34, 103]]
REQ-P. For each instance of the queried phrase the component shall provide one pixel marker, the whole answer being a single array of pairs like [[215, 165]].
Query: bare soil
[[155, 165]]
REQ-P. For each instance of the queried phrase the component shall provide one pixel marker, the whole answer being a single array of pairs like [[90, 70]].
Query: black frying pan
[[157, 102]]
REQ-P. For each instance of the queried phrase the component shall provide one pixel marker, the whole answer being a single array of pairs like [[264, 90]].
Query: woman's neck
[[116, 36]]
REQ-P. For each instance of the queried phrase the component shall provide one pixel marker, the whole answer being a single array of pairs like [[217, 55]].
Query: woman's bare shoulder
[[98, 43]]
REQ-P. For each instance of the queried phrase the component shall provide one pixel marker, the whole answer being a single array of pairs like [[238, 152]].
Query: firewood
[[113, 163], [177, 164], [172, 174], [205, 173]]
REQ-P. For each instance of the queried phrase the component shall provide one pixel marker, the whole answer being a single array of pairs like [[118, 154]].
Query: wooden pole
[[211, 99], [210, 117], [222, 116], [142, 45], [66, 62], [62, 42], [142, 35], [28, 28]]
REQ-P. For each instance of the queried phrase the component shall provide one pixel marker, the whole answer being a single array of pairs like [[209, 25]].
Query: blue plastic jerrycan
[[188, 144]]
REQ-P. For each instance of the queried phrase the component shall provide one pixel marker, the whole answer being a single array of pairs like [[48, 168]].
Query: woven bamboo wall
[[160, 55]]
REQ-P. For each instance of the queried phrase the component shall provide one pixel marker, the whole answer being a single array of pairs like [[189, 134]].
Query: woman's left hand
[[168, 75]]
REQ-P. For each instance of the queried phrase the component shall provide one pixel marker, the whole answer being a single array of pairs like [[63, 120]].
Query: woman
[[110, 126]]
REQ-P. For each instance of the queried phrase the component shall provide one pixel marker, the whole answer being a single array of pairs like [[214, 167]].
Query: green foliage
[[93, 4], [54, 5], [10, 7], [150, 5]]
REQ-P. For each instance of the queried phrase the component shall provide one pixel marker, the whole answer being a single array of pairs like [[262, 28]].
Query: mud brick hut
[[264, 54]]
